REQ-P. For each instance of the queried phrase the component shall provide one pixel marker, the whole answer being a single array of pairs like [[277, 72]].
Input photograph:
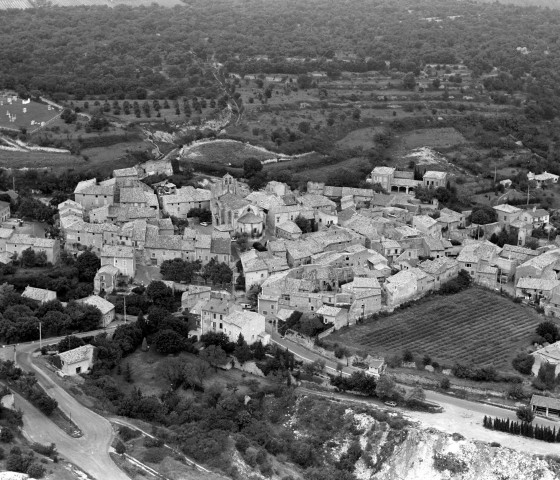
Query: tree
[[214, 355], [547, 375], [179, 270], [386, 387], [304, 225], [253, 295], [549, 331], [69, 343], [28, 258], [120, 447], [168, 341], [304, 127], [409, 81], [195, 373], [525, 414], [483, 214], [251, 166], [87, 264], [523, 363], [257, 181], [417, 393], [159, 293], [172, 370]]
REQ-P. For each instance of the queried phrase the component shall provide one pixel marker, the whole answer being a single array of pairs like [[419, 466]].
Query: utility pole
[[40, 337], [124, 299]]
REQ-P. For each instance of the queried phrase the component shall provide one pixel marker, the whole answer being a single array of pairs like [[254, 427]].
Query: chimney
[[535, 208]]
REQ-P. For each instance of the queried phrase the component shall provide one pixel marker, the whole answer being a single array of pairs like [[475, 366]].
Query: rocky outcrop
[[434, 455]]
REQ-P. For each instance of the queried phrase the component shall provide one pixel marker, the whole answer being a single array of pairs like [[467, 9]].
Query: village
[[337, 254]]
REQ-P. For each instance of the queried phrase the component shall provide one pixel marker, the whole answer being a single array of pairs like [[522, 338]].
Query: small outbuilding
[[76, 361], [545, 405]]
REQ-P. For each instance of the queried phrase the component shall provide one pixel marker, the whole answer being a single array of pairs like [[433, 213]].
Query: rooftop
[[38, 294], [506, 208], [96, 301], [76, 355]]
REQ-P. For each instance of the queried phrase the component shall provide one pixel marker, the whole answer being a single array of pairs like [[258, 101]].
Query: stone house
[[185, 199], [536, 289], [288, 230], [249, 324], [194, 294], [40, 295], [335, 315], [441, 269], [105, 279], [90, 195], [427, 225], [19, 242], [106, 308], [4, 211], [76, 361], [121, 257], [507, 213], [434, 179]]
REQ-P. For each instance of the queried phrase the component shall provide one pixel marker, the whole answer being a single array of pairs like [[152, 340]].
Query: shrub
[[6, 435], [127, 433], [150, 442], [449, 462], [444, 383], [154, 455], [516, 392], [408, 356], [36, 471], [394, 361], [495, 444], [525, 414], [120, 447], [523, 363]]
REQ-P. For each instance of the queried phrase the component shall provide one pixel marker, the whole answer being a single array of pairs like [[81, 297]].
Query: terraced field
[[475, 326]]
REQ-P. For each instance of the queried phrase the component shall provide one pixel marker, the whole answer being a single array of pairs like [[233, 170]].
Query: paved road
[[90, 452], [459, 415]]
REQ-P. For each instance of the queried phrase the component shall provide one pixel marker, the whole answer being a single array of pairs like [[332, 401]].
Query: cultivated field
[[475, 326]]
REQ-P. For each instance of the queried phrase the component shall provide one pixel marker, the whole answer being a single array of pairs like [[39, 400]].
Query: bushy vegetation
[[19, 317], [26, 385], [524, 429], [306, 324]]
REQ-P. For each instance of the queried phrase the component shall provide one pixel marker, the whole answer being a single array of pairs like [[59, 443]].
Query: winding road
[[89, 452]]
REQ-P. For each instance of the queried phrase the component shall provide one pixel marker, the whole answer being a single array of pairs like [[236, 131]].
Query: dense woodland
[[131, 52]]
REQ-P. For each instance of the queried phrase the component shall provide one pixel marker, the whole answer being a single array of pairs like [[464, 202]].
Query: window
[[214, 316], [221, 325], [221, 317]]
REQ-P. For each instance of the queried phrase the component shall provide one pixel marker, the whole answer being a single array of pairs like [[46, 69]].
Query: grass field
[[475, 326], [38, 112], [225, 152], [432, 137]]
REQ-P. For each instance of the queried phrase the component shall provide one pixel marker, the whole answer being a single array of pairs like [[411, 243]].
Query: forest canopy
[[126, 52]]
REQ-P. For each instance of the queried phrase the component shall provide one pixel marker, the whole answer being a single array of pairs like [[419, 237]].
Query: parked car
[[391, 404], [204, 224]]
